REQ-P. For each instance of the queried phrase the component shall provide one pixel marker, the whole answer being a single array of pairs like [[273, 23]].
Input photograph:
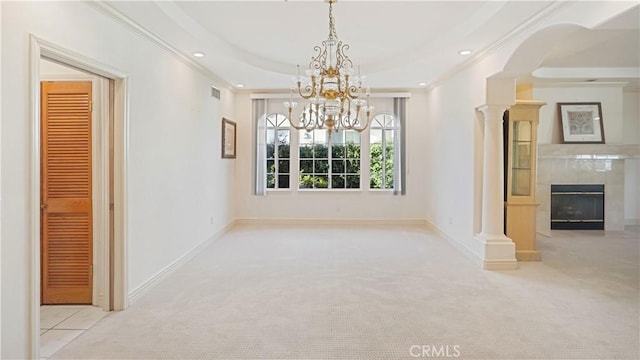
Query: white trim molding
[[465, 250], [341, 222], [115, 14], [34, 75], [100, 180], [43, 49], [153, 281], [476, 255], [281, 95]]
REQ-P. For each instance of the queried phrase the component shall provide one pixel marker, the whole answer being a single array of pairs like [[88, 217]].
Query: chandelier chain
[[332, 26]]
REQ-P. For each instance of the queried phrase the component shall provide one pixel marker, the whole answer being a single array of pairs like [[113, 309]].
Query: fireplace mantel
[[583, 164], [588, 151]]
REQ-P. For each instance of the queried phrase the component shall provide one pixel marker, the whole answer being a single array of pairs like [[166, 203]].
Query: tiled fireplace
[[583, 164]]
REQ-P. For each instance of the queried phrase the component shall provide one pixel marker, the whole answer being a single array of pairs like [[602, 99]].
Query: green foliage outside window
[[335, 166], [378, 160], [283, 167]]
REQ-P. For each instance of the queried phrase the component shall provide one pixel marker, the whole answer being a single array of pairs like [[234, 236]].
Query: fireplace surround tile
[[583, 164], [589, 173]]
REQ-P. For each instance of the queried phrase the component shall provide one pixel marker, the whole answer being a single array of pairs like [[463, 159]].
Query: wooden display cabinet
[[520, 170]]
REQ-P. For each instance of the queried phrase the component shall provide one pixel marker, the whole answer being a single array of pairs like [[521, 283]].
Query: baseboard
[[367, 222], [138, 292], [528, 255], [545, 234], [464, 249], [499, 265]]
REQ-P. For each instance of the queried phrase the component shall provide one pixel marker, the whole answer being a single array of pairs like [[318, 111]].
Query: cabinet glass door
[[521, 159]]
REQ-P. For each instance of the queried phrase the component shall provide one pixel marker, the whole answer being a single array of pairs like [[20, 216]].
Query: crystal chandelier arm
[[308, 91], [367, 110], [351, 90], [292, 124], [320, 116], [342, 85], [340, 122], [315, 120], [343, 120]]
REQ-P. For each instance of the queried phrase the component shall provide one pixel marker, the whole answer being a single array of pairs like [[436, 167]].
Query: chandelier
[[334, 94]]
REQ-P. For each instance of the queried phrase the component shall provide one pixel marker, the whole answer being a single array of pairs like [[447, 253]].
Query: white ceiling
[[397, 43]]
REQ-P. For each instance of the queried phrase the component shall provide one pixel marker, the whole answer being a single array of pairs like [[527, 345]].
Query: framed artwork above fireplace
[[581, 123]]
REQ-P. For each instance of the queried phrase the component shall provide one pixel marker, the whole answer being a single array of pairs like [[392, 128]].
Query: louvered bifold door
[[67, 243]]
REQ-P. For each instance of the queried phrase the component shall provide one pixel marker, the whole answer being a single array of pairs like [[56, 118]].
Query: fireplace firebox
[[577, 207]]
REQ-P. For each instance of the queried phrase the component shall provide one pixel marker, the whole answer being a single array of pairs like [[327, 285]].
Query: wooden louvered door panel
[[67, 239]]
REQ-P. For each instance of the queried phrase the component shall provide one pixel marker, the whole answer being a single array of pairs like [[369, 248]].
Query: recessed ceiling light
[[240, 85], [464, 52], [422, 84], [198, 54]]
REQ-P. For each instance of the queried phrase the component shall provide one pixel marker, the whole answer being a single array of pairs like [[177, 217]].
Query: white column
[[499, 251]]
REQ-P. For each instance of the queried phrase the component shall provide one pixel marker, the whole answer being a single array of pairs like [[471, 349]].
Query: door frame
[[42, 49], [99, 178]]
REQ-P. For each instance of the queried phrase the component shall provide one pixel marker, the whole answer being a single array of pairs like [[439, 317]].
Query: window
[[334, 165], [278, 151], [381, 137], [345, 160], [314, 160]]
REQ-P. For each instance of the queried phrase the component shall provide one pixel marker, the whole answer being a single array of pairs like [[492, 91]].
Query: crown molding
[[281, 95], [500, 43], [118, 16], [578, 84]]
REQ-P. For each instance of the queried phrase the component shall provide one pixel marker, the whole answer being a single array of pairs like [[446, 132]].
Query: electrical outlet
[[211, 220]]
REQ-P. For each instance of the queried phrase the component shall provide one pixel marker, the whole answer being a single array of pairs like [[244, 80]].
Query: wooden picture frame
[[581, 123], [228, 139]]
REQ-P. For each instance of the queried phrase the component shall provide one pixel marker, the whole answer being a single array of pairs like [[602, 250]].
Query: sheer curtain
[[258, 115], [399, 158]]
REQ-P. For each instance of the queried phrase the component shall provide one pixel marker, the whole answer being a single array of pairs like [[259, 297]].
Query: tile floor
[[60, 324]]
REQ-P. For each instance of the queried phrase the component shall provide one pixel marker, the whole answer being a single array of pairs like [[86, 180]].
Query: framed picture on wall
[[581, 123], [228, 139]]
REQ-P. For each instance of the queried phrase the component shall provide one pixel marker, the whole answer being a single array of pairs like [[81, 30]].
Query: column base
[[499, 252]]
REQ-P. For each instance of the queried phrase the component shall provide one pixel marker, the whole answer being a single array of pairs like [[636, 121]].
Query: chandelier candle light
[[334, 94]]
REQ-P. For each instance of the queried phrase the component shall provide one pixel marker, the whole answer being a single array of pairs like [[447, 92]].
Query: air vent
[[215, 92]]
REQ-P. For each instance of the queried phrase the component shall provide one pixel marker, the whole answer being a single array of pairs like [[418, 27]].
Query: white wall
[[0, 180], [609, 95], [631, 126], [176, 179], [631, 117], [49, 68], [454, 157], [338, 204]]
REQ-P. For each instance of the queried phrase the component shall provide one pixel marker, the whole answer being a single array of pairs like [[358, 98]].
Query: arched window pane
[[278, 157], [381, 140]]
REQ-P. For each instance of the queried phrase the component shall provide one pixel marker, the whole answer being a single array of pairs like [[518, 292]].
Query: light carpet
[[264, 292]]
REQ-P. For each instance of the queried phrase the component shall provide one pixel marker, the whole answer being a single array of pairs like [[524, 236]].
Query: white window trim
[[365, 156]]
